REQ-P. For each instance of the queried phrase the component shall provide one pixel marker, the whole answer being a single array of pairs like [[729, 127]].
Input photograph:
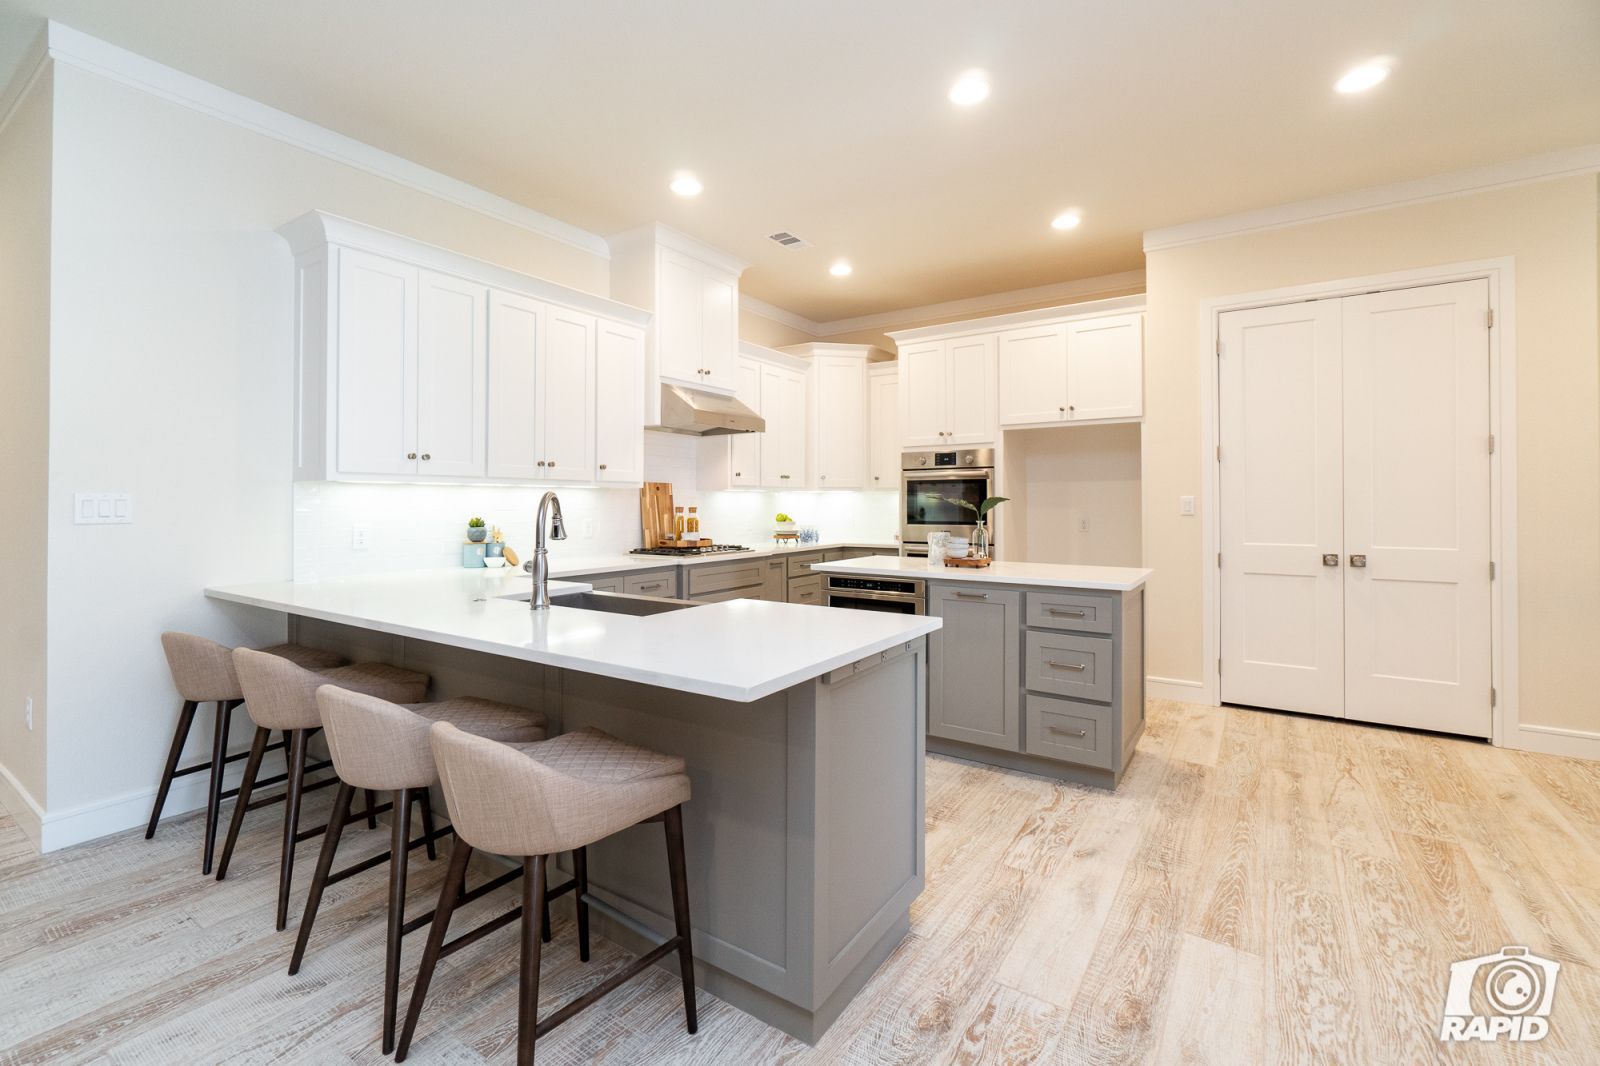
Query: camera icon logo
[[1508, 994]]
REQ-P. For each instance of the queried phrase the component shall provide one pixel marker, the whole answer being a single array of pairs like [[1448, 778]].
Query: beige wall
[[880, 335], [1058, 478], [25, 521], [1550, 228], [171, 368], [768, 332]]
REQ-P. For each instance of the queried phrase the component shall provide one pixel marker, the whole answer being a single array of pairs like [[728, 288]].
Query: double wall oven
[[929, 481]]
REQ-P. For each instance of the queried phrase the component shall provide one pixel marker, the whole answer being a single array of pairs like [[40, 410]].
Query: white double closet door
[[1355, 507]]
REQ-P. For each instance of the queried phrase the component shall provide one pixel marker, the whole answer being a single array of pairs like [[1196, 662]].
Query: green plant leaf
[[991, 503]]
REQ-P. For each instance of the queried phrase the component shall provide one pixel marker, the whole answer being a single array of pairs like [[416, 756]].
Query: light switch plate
[[358, 538], [102, 508], [1186, 505]]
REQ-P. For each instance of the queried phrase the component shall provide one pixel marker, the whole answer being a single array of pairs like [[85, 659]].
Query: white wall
[[24, 428], [1058, 479], [171, 362]]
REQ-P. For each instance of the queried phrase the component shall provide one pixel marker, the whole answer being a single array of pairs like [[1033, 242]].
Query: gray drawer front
[[1070, 731], [722, 577], [1081, 611], [806, 590], [601, 584], [727, 594], [663, 583], [800, 565], [1066, 665]]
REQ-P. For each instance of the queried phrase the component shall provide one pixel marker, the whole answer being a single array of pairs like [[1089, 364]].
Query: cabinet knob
[[426, 457], [541, 462], [602, 466], [411, 455], [822, 477], [551, 464], [1071, 408], [875, 477], [736, 473]]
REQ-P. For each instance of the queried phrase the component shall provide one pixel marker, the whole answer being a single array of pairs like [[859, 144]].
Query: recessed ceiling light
[[686, 184], [971, 88], [1066, 220], [841, 268], [1360, 79]]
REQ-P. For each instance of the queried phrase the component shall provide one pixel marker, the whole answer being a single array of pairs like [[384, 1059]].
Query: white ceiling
[[829, 118]]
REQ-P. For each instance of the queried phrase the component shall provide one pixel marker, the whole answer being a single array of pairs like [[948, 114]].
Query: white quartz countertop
[[1000, 572], [735, 650], [561, 566]]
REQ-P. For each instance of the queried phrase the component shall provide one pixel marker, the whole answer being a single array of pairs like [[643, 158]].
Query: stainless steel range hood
[[705, 414]]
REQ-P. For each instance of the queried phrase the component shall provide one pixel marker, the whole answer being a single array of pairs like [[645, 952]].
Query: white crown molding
[[78, 49], [657, 233], [22, 82], [1078, 309], [973, 305], [772, 355], [1567, 163]]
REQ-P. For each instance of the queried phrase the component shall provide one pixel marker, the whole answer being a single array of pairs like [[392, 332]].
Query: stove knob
[[923, 461], [969, 458]]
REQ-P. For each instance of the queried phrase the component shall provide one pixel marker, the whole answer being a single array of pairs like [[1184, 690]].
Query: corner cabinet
[[416, 363], [773, 385]]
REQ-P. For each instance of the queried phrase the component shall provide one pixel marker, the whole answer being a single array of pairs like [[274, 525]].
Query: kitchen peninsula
[[802, 728]]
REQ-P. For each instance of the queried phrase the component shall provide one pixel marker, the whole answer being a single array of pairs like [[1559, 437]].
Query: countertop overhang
[[1000, 572], [740, 650]]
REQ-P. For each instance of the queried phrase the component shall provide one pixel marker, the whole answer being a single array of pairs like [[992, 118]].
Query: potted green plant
[[980, 528], [476, 530]]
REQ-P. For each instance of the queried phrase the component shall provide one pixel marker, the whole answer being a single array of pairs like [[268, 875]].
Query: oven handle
[[971, 473]]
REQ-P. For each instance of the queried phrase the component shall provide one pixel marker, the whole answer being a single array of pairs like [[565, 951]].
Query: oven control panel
[[977, 458]]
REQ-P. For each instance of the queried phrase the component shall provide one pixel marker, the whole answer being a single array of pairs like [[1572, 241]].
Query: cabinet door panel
[[680, 314], [783, 458], [974, 683], [719, 326], [970, 390], [619, 403], [1033, 375], [1105, 368], [377, 373], [566, 387], [885, 419], [840, 446], [744, 449], [923, 381], [515, 329], [451, 372]]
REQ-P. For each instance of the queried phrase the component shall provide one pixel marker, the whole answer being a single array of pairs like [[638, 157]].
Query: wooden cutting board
[[655, 513]]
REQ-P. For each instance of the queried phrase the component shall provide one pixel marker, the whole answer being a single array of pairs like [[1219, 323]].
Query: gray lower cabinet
[[662, 583], [711, 582], [775, 579], [1046, 680], [972, 687], [800, 563], [806, 589]]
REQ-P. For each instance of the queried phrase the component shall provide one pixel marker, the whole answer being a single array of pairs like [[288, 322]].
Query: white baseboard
[[1171, 688], [90, 821], [21, 805], [1553, 740]]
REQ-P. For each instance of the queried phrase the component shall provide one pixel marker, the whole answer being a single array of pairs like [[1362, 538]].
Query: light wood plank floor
[[1263, 889]]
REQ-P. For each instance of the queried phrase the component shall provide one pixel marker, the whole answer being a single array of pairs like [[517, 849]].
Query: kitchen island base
[[804, 833], [1071, 773]]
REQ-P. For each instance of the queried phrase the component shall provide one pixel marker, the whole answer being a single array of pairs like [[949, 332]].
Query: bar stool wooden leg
[[580, 872], [319, 880], [291, 820], [460, 853], [241, 803], [372, 809], [544, 907], [534, 905], [399, 852], [219, 763], [180, 737], [673, 820], [425, 801]]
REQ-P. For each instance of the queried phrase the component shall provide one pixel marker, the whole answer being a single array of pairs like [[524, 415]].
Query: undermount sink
[[611, 603]]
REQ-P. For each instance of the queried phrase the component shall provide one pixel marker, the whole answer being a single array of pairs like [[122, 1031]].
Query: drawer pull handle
[[972, 595], [654, 585], [1057, 611], [1068, 732], [1067, 666]]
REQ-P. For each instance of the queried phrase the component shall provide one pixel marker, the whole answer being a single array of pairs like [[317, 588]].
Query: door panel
[[515, 329], [377, 372], [973, 671], [566, 390], [451, 372], [619, 403], [1281, 507], [719, 332], [744, 449], [1033, 375], [1105, 368], [680, 318], [1416, 399], [885, 418], [970, 398], [922, 394]]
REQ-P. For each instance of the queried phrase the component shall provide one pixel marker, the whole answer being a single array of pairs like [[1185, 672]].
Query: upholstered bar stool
[[382, 746], [282, 696], [202, 672], [532, 801]]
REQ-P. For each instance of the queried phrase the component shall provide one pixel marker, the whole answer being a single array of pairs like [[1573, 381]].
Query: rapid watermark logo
[[1514, 990]]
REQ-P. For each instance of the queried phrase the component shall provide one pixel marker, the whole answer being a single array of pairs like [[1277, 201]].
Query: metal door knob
[[1358, 560], [552, 464], [411, 455], [426, 457], [1330, 559], [541, 462]]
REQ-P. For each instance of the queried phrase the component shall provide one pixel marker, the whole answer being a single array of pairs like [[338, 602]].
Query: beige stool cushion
[[381, 745], [538, 799], [203, 670], [280, 695]]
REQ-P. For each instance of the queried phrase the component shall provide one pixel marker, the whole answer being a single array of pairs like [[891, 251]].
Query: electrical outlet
[[1083, 523], [586, 529], [358, 538], [27, 713]]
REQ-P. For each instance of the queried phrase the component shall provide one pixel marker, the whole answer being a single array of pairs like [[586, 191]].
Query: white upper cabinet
[[694, 291], [947, 392], [773, 385], [414, 362], [883, 419], [744, 449], [961, 382], [783, 451], [1105, 368], [837, 429], [619, 403]]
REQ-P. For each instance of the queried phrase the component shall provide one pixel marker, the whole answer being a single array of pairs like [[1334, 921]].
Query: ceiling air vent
[[789, 240]]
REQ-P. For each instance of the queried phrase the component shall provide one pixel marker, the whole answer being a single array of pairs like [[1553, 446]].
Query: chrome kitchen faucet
[[539, 565]]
